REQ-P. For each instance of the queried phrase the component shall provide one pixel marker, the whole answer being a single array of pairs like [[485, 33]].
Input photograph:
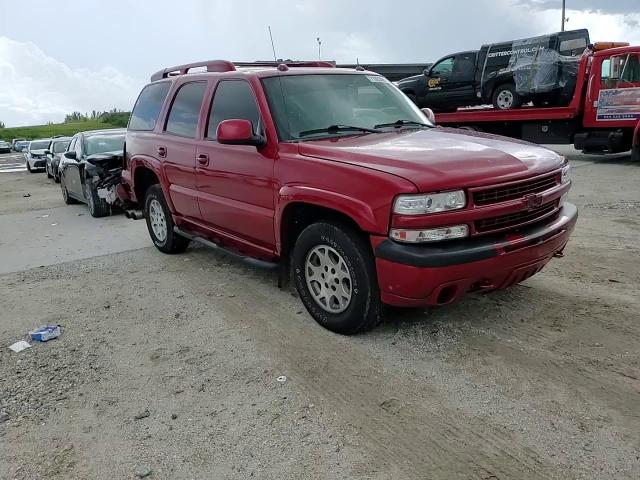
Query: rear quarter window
[[147, 108]]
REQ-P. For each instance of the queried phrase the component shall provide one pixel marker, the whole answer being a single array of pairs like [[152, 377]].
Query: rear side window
[[185, 110], [233, 100], [147, 108]]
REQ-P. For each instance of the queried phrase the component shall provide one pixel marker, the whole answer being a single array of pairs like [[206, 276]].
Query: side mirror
[[71, 155], [238, 132], [47, 152], [429, 114], [425, 72]]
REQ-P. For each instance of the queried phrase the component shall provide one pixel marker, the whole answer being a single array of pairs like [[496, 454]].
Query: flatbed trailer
[[603, 115]]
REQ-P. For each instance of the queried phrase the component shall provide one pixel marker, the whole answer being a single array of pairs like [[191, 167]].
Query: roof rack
[[227, 66]]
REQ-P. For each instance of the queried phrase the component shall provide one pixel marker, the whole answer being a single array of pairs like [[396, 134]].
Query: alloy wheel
[[328, 279]]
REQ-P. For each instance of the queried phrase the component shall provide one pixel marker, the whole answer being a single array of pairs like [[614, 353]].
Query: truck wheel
[[505, 97], [335, 276], [65, 193], [97, 206], [160, 223], [635, 153]]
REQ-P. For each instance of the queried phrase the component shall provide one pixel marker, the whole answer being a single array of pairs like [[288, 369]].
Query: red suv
[[339, 178]]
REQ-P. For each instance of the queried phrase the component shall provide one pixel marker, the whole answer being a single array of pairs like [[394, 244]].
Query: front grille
[[514, 190], [514, 219]]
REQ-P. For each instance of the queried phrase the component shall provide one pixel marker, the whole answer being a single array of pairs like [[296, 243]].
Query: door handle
[[162, 151], [203, 159]]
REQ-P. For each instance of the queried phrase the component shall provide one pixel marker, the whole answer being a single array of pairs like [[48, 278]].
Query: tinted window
[[147, 108], [443, 68], [185, 111], [232, 100]]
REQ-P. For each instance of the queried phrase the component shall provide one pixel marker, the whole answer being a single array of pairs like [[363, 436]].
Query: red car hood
[[438, 158]]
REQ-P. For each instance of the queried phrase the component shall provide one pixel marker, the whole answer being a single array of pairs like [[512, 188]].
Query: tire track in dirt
[[420, 436]]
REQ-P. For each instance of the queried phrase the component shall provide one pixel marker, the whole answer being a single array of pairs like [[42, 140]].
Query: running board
[[208, 243]]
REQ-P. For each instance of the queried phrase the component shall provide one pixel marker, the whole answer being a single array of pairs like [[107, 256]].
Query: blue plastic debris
[[44, 334]]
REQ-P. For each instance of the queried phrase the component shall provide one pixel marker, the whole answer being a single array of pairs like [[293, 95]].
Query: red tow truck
[[602, 117]]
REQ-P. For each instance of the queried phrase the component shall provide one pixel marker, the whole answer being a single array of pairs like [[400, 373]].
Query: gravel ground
[[169, 366]]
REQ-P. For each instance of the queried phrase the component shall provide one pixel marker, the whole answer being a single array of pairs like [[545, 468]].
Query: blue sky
[[60, 56]]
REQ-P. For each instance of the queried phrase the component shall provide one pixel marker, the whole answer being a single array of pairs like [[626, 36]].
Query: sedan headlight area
[[566, 174], [429, 203], [430, 234]]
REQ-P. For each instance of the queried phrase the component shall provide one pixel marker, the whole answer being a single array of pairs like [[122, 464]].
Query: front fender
[[360, 212]]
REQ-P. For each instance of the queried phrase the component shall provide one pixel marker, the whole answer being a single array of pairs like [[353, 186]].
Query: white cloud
[[36, 88]]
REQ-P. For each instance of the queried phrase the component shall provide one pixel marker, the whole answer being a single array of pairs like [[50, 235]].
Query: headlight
[[429, 203], [430, 234], [566, 174]]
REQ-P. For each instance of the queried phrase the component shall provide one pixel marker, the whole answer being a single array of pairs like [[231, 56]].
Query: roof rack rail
[[288, 63], [211, 65]]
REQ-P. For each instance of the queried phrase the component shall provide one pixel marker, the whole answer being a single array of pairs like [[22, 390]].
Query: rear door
[[176, 147], [235, 182]]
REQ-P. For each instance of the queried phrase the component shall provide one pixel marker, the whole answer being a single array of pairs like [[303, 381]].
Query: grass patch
[[48, 131]]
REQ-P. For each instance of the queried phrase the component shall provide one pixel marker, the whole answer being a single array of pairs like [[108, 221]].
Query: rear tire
[[97, 206], [160, 223], [327, 258], [505, 97]]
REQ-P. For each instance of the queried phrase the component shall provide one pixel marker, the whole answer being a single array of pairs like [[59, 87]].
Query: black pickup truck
[[539, 69]]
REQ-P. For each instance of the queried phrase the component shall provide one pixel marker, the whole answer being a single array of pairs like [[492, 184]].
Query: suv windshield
[[337, 104], [39, 145], [104, 143]]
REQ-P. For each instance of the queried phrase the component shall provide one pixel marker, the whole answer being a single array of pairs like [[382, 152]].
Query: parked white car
[[35, 154]]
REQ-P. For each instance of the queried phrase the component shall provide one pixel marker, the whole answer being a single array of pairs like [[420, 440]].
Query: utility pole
[[319, 44], [563, 15]]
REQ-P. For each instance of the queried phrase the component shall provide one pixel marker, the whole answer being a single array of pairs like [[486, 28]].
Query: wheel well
[[143, 179], [297, 216]]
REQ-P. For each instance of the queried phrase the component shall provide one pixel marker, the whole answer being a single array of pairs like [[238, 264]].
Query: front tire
[[160, 223], [46, 168], [97, 206], [335, 276], [29, 169], [635, 153], [505, 97]]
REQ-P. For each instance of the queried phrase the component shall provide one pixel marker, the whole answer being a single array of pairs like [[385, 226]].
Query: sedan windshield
[[39, 144], [104, 143], [60, 147], [312, 106]]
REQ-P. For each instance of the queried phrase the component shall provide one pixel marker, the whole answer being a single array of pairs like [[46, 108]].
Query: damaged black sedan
[[90, 169]]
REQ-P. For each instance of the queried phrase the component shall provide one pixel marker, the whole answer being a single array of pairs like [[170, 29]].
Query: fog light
[[429, 235]]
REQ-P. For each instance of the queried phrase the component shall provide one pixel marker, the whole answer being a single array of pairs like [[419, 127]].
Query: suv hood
[[38, 152], [439, 158]]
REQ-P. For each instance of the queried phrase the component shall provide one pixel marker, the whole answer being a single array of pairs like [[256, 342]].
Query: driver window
[[631, 70], [443, 68]]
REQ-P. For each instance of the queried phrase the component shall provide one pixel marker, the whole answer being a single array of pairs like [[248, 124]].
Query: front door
[[451, 82], [235, 182], [72, 173]]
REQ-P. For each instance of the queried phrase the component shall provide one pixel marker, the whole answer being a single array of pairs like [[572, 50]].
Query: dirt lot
[[168, 365]]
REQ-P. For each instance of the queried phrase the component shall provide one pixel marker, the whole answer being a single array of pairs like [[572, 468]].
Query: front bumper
[[420, 275], [37, 162]]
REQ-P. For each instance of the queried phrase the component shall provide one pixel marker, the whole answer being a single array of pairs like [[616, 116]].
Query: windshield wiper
[[337, 128], [401, 123]]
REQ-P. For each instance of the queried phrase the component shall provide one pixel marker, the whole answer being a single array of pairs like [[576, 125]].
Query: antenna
[[275, 59]]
